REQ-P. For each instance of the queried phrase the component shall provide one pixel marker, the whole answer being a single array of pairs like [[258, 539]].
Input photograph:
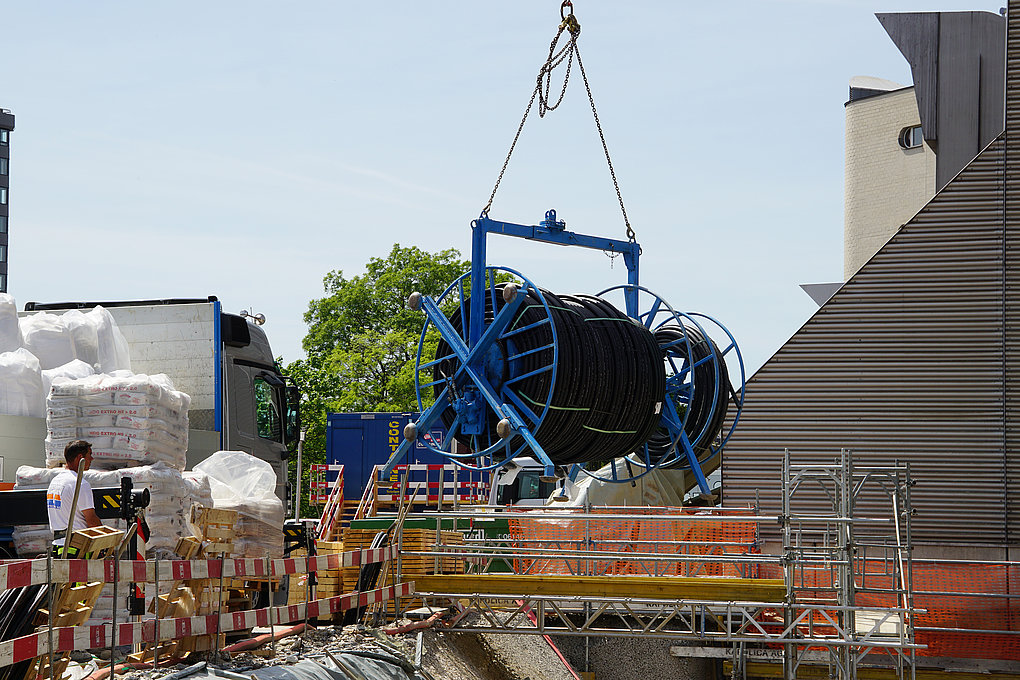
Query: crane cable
[[543, 88]]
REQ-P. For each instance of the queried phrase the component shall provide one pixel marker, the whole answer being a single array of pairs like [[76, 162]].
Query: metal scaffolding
[[816, 601]]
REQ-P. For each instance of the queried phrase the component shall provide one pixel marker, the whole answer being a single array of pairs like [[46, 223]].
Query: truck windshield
[[526, 487], [267, 411]]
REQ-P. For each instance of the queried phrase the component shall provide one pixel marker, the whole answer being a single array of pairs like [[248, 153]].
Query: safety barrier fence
[[447, 484], [40, 572], [320, 489], [100, 635]]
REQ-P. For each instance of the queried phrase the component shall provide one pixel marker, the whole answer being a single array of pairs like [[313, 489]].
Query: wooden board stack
[[73, 602]]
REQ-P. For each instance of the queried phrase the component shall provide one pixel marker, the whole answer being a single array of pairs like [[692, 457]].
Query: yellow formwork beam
[[648, 587], [764, 670]]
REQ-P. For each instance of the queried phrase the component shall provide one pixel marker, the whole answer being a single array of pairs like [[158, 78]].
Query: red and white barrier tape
[[94, 637], [33, 572]]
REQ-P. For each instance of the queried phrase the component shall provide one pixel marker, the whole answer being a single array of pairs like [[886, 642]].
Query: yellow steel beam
[[651, 587], [764, 669]]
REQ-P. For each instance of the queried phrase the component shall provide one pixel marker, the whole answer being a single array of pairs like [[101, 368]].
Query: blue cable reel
[[700, 397], [485, 379], [568, 380]]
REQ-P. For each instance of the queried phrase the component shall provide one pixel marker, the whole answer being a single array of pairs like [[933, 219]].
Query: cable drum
[[704, 409], [597, 375]]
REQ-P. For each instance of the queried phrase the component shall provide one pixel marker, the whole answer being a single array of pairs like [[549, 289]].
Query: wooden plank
[[650, 587]]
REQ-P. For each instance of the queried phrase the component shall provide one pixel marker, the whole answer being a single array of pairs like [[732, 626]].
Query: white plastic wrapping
[[241, 482], [48, 339], [84, 335], [21, 386], [10, 330], [199, 490], [112, 348]]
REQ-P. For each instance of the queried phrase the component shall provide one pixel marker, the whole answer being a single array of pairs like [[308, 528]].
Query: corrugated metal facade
[[914, 359], [1011, 292]]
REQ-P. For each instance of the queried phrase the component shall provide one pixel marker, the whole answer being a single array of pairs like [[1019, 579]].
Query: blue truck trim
[[217, 371]]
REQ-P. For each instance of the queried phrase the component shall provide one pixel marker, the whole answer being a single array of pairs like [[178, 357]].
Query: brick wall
[[885, 184]]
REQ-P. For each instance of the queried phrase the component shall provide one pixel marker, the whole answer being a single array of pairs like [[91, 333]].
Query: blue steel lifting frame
[[480, 339]]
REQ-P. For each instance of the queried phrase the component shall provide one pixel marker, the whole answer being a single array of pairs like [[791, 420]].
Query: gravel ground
[[444, 655]]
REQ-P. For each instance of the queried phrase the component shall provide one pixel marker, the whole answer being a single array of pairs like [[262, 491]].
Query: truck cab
[[519, 482]]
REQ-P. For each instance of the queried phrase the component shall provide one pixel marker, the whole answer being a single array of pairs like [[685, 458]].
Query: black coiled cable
[[707, 404], [610, 378]]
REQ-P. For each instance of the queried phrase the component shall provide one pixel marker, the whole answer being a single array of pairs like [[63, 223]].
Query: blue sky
[[244, 149]]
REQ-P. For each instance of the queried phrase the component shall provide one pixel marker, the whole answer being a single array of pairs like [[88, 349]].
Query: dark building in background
[[6, 127]]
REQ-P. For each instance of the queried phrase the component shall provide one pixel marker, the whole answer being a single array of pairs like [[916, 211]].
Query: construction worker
[[60, 496]]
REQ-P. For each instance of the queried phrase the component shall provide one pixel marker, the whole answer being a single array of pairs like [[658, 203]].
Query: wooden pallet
[[195, 597], [330, 582], [73, 602]]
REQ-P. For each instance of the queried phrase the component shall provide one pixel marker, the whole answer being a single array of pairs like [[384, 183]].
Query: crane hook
[[569, 20]]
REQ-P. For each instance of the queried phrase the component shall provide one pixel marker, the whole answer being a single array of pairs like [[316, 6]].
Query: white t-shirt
[[59, 496]]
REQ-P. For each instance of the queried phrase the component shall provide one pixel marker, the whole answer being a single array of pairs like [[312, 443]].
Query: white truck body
[[222, 361]]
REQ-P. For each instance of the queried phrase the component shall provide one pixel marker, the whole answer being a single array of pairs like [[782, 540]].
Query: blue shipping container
[[360, 441]]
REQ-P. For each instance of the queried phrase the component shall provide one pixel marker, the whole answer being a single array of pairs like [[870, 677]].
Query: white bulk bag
[[21, 387], [10, 331], [113, 348], [48, 339]]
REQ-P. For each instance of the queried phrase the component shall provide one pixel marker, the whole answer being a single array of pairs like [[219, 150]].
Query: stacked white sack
[[128, 419], [170, 501], [242, 482]]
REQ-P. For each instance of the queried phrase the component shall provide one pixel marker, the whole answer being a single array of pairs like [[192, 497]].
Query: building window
[[4, 164], [3, 195], [3, 224], [911, 137], [3, 283], [4, 137], [3, 253]]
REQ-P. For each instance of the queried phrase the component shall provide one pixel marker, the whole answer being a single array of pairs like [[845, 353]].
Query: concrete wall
[[885, 184]]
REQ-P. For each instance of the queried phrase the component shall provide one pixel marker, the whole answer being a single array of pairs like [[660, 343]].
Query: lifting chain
[[543, 88]]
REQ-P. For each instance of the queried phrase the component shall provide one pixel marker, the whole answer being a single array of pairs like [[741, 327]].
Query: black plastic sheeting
[[352, 665], [347, 666], [18, 609]]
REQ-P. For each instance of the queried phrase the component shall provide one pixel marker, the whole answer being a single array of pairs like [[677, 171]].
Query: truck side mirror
[[293, 420]]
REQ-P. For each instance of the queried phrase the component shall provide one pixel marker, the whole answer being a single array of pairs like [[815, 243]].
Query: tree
[[362, 339]]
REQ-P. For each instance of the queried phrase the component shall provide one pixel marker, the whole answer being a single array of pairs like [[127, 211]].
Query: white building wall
[[885, 184]]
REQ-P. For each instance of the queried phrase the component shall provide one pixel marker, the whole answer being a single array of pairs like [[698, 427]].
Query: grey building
[[6, 127]]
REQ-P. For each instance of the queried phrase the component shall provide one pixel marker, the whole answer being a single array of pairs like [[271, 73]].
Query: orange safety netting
[[673, 539], [981, 601]]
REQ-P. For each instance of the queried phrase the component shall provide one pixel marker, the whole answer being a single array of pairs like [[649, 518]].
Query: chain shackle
[[569, 20]]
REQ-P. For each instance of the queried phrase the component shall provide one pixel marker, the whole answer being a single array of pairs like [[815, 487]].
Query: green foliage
[[362, 339]]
